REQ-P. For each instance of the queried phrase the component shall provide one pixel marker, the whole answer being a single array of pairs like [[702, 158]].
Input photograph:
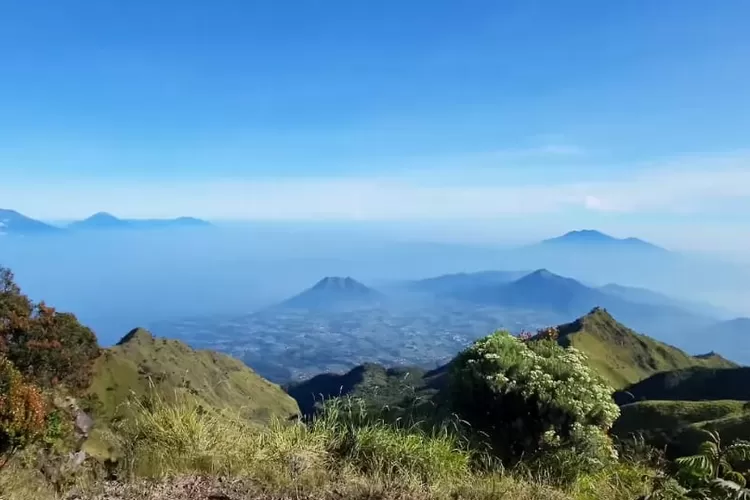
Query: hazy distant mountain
[[103, 220], [12, 222], [738, 327], [646, 296], [545, 292], [731, 338], [334, 293], [452, 284], [592, 238], [538, 290]]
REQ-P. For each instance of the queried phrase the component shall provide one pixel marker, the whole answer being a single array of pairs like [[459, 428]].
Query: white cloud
[[691, 184], [692, 188]]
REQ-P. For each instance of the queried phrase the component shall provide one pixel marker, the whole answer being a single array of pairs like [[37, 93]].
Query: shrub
[[529, 397], [22, 411]]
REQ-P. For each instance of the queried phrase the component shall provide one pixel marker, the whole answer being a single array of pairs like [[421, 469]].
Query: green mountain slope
[[140, 364], [679, 426], [624, 357]]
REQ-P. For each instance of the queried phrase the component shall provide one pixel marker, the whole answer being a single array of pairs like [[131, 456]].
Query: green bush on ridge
[[530, 397]]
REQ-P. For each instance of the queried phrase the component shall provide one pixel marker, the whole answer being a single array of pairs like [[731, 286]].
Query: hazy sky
[[632, 117]]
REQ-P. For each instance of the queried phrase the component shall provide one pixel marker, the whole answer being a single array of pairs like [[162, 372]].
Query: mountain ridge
[[13, 222], [16, 223], [621, 355], [107, 221]]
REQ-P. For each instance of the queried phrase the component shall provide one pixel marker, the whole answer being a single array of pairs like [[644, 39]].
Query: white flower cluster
[[547, 371]]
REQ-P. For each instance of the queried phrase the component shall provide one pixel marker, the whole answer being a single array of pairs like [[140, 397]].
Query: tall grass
[[343, 449]]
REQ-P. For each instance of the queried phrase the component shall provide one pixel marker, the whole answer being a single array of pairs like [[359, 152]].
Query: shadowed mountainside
[[691, 384]]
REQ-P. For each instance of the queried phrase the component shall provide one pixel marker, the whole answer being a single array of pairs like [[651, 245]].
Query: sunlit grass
[[343, 449]]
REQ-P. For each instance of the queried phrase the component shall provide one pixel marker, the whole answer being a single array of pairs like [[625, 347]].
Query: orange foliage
[[46, 346], [23, 410]]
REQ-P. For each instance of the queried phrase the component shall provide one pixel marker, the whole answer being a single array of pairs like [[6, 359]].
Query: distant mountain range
[[590, 237], [103, 220], [15, 223], [731, 337], [538, 292], [543, 290]]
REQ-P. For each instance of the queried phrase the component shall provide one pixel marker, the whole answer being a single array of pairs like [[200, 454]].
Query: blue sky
[[630, 116]]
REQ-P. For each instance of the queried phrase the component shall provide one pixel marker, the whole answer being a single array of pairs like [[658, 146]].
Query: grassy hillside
[[692, 384], [624, 357], [679, 425], [141, 365]]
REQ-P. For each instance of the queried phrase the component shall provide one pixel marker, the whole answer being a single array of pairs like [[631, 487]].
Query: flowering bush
[[532, 396], [22, 411]]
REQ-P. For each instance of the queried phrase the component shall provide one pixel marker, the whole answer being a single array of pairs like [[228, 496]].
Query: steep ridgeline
[[141, 364], [623, 356]]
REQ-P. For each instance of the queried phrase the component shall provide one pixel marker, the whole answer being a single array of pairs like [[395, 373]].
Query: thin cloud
[[674, 190], [688, 185]]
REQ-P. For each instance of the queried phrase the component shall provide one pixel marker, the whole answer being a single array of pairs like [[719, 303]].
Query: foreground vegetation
[[527, 417]]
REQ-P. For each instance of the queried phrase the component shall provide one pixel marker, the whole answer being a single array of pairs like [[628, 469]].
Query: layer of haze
[[117, 280]]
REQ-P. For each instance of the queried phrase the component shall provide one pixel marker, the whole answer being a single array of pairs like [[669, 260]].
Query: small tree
[[22, 411], [46, 346], [529, 397]]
